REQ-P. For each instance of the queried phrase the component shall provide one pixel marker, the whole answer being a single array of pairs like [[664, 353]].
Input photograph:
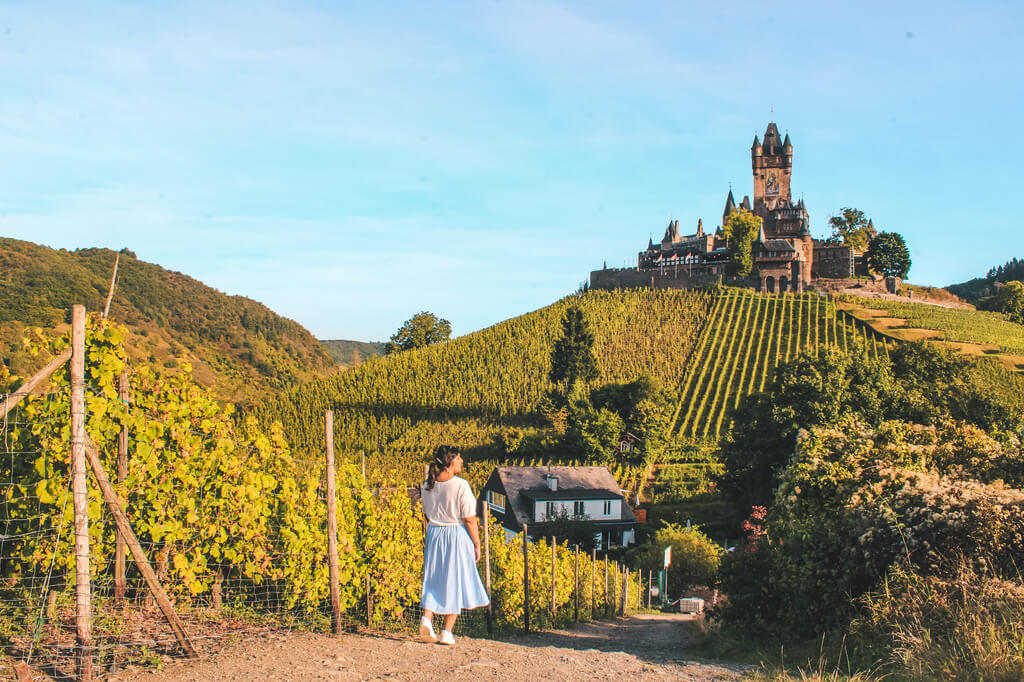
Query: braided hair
[[443, 456]]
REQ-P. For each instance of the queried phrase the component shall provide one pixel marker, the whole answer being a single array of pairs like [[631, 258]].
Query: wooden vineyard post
[[369, 603], [122, 473], [526, 581], [605, 586], [593, 583], [426, 475], [11, 400], [80, 493], [576, 584], [362, 463], [121, 521], [332, 526], [624, 596], [650, 587], [487, 568], [554, 578]]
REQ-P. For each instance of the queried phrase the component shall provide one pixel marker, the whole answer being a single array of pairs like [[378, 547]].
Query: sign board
[[668, 556]]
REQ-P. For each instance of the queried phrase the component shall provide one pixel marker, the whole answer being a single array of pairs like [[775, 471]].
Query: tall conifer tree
[[572, 358]]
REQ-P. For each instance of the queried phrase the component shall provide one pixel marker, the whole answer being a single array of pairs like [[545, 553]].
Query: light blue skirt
[[450, 579]]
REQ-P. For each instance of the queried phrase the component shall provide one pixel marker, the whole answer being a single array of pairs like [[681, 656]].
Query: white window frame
[[579, 508], [607, 507], [492, 500]]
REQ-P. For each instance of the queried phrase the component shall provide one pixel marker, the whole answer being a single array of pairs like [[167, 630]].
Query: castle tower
[[772, 163]]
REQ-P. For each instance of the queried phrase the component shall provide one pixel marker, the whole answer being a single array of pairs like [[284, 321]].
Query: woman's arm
[[474, 533]]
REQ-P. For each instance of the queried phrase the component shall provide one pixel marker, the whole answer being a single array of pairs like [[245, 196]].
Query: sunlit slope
[[467, 390], [747, 335]]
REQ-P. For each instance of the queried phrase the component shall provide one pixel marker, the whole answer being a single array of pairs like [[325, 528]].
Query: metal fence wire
[[222, 577]]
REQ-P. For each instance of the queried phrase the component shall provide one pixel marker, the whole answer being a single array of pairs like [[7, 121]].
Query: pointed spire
[[755, 148], [700, 227], [760, 233], [745, 204], [787, 146]]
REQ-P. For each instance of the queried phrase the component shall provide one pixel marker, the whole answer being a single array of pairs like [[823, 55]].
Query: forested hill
[[350, 353], [237, 346], [975, 289]]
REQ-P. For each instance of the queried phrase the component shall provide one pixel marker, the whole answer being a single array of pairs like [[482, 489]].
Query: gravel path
[[644, 647]]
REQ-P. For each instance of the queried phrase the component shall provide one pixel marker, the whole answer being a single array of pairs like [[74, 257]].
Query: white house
[[518, 495]]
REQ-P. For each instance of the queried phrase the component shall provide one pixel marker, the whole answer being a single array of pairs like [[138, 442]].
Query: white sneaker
[[427, 632], [446, 638]]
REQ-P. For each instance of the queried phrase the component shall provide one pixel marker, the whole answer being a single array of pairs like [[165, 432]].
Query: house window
[[578, 508], [607, 507], [496, 500], [551, 510]]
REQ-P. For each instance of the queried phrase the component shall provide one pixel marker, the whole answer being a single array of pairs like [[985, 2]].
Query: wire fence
[[236, 535]]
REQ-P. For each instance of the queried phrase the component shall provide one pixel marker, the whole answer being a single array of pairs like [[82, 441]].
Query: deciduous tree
[[422, 329], [852, 228], [741, 229], [887, 255]]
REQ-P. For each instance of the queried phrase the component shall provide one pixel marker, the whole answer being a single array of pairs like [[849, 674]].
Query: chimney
[[552, 482]]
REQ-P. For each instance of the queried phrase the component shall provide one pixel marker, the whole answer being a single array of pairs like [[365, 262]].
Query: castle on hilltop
[[785, 255]]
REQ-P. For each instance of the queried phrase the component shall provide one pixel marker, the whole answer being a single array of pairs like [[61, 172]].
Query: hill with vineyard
[[238, 347]]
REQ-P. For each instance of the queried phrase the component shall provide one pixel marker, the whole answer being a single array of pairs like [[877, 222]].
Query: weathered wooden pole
[[593, 583], [80, 495], [148, 574], [487, 567], [650, 587], [526, 580], [576, 584], [426, 476], [554, 579], [12, 399], [332, 526], [624, 596], [362, 463], [120, 552], [606, 604]]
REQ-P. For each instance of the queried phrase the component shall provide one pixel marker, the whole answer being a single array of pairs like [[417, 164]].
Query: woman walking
[[450, 579]]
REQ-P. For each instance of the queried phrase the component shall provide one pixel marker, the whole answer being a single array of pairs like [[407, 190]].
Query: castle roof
[[730, 203], [745, 204], [772, 141]]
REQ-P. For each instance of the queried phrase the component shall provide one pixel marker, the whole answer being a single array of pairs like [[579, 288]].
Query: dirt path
[[646, 647]]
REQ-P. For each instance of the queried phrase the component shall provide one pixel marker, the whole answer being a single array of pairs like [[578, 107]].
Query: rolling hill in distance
[[238, 347]]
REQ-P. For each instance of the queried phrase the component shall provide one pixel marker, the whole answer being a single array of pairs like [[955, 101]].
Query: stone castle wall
[[662, 278]]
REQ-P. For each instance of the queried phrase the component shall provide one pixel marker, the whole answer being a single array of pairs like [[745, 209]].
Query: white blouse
[[450, 501]]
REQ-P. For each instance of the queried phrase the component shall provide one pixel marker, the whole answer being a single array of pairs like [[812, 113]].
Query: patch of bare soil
[[643, 647]]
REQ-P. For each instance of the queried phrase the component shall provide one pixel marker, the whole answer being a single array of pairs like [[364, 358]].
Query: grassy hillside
[[237, 346], [467, 390], [351, 353]]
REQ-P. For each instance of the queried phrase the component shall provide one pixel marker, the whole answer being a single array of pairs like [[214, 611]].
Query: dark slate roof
[[521, 482], [570, 494], [756, 144], [777, 245], [772, 141], [730, 203], [746, 203]]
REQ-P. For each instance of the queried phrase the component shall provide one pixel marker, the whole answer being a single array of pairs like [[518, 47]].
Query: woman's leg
[[449, 621], [427, 613]]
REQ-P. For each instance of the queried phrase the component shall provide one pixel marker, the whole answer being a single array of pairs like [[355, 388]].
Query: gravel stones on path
[[643, 647]]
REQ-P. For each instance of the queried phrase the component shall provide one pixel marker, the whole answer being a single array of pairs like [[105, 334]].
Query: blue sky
[[350, 164]]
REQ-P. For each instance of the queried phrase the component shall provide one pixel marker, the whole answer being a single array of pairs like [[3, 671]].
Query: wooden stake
[[122, 473], [526, 580], [593, 583], [12, 399], [362, 463], [80, 493], [576, 584], [554, 577], [110, 496], [487, 567], [332, 527], [113, 282], [624, 596], [606, 585]]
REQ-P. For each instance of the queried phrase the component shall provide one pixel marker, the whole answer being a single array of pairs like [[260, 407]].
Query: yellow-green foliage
[[956, 324], [747, 336], [212, 495], [507, 583], [467, 390]]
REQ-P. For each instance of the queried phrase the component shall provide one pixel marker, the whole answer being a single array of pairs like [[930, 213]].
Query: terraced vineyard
[[747, 335], [956, 325]]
